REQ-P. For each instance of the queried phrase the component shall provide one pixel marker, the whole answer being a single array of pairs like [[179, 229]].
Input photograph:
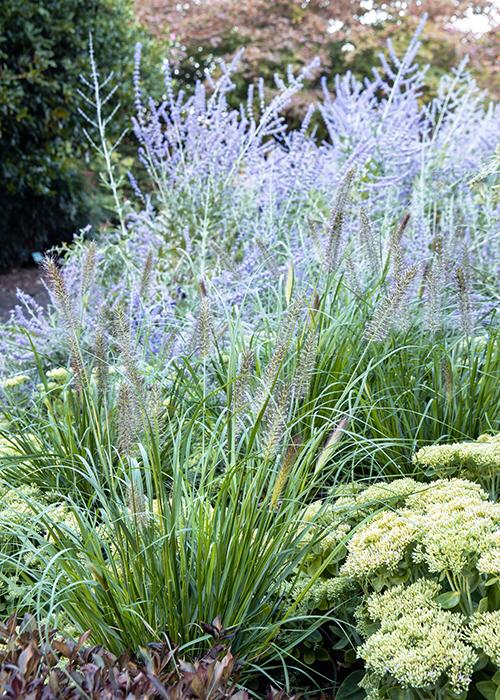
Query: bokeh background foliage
[[345, 34], [47, 190]]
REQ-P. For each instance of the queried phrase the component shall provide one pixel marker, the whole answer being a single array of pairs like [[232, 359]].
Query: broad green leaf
[[350, 690], [396, 693], [309, 657], [487, 689], [483, 605], [481, 662], [322, 654], [496, 677], [448, 600]]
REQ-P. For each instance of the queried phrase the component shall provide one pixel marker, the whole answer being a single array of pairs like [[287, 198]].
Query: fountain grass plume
[[464, 300], [146, 276], [204, 335], [275, 420], [335, 228], [391, 304], [306, 362], [285, 469], [368, 241], [241, 389]]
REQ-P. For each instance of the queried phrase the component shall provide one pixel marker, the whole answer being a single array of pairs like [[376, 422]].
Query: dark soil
[[25, 278]]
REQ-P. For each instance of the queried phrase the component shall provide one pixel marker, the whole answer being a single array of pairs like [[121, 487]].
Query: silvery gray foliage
[[234, 190]]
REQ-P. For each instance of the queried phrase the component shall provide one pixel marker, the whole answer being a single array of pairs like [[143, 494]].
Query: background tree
[[346, 34], [44, 194]]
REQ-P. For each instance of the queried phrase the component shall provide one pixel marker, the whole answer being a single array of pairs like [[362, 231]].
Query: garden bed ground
[[26, 278]]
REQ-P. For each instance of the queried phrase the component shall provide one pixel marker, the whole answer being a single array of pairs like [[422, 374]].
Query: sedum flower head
[[489, 561], [392, 492], [399, 601], [450, 493], [479, 459], [446, 525], [381, 544], [326, 594], [418, 644], [15, 381], [483, 632], [452, 543], [59, 375]]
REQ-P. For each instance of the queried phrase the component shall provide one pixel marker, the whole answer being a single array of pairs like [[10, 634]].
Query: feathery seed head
[[368, 241], [88, 268], [284, 472], [336, 226], [146, 275], [390, 306], [276, 418], [464, 300], [57, 286], [241, 387], [204, 334]]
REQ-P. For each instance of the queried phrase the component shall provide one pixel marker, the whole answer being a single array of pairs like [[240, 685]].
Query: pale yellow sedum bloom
[[325, 594], [484, 633], [479, 459], [418, 644], [16, 380], [381, 544], [452, 493], [59, 374], [379, 494], [489, 561], [440, 524], [451, 541]]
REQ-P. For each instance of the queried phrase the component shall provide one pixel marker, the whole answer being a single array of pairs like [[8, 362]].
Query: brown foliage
[[344, 33], [36, 664]]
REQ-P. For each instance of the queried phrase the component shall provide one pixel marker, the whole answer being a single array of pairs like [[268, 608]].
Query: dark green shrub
[[43, 49]]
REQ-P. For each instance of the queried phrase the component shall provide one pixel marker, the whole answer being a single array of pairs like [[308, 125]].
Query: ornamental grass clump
[[173, 521]]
